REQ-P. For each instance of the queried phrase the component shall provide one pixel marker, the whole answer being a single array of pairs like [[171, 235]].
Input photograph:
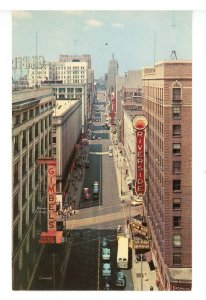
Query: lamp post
[[141, 273]]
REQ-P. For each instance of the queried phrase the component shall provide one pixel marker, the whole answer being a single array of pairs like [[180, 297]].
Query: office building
[[32, 138], [167, 105]]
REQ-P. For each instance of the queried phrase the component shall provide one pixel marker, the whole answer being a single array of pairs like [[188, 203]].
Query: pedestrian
[[151, 288]]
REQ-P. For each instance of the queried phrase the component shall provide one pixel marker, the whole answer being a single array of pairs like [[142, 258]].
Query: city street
[[77, 264]]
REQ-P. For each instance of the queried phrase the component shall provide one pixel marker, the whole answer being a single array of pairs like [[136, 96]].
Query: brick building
[[167, 105]]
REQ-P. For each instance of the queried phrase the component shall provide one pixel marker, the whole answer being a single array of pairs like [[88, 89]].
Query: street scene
[[101, 151], [96, 219]]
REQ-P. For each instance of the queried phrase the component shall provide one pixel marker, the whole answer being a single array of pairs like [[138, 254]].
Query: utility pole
[[53, 271], [141, 274]]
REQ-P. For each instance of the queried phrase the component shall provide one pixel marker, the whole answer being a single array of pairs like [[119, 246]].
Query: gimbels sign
[[139, 124]]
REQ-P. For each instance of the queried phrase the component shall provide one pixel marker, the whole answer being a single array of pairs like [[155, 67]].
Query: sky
[[131, 35]]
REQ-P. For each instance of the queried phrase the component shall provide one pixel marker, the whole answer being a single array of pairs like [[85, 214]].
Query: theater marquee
[[140, 123]]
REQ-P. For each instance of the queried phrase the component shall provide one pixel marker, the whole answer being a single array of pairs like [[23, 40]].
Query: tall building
[[67, 126], [167, 105], [32, 138], [113, 69]]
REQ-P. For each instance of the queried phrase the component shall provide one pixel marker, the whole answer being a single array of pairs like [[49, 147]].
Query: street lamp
[[141, 273]]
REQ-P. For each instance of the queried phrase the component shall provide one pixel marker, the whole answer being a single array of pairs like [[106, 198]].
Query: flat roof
[[62, 106], [181, 273]]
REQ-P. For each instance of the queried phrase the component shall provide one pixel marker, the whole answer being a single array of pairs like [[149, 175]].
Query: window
[[30, 158], [25, 116], [176, 203], [15, 205], [24, 165], [176, 94], [24, 139], [42, 125], [176, 167], [176, 149], [36, 151], [30, 184], [16, 174], [54, 140], [176, 240], [177, 259], [24, 194], [42, 146], [36, 111], [31, 113], [176, 185], [176, 130], [30, 134], [17, 120], [176, 221], [16, 145], [36, 129], [176, 112]]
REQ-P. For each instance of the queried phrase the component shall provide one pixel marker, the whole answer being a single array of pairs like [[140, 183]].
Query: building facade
[[66, 134], [167, 105], [32, 138]]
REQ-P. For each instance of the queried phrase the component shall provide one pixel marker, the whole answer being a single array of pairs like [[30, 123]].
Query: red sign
[[50, 237], [140, 123], [51, 198]]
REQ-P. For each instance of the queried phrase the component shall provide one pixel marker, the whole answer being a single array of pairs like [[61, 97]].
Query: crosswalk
[[96, 220]]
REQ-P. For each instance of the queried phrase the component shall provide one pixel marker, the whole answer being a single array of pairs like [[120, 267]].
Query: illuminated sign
[[139, 124]]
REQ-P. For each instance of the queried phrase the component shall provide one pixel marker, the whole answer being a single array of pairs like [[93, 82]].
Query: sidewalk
[[148, 278]]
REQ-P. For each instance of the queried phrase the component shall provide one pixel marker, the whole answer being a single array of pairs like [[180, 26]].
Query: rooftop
[[62, 106], [181, 274]]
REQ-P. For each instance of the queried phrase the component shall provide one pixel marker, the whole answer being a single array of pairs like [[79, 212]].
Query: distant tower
[[113, 69], [173, 54]]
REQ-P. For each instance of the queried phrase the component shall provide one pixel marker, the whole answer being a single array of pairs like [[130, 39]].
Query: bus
[[122, 252]]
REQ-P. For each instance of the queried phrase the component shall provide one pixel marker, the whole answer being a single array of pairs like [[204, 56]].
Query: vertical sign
[[139, 124], [51, 192], [51, 198]]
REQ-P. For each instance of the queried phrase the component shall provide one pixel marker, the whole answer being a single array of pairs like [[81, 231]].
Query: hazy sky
[[130, 36]]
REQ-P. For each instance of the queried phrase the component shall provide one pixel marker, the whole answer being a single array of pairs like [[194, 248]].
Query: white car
[[106, 269], [105, 254], [136, 202], [110, 154]]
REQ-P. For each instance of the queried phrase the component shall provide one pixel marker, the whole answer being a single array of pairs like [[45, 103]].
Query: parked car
[[105, 254], [106, 269], [86, 194], [104, 243], [110, 154], [96, 187], [120, 279], [136, 202], [107, 283], [138, 217]]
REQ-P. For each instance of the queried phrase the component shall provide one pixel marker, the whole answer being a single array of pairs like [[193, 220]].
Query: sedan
[[106, 269], [136, 203]]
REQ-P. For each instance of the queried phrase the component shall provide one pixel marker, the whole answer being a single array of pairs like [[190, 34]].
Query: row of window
[[39, 150], [68, 90], [25, 116], [38, 128]]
